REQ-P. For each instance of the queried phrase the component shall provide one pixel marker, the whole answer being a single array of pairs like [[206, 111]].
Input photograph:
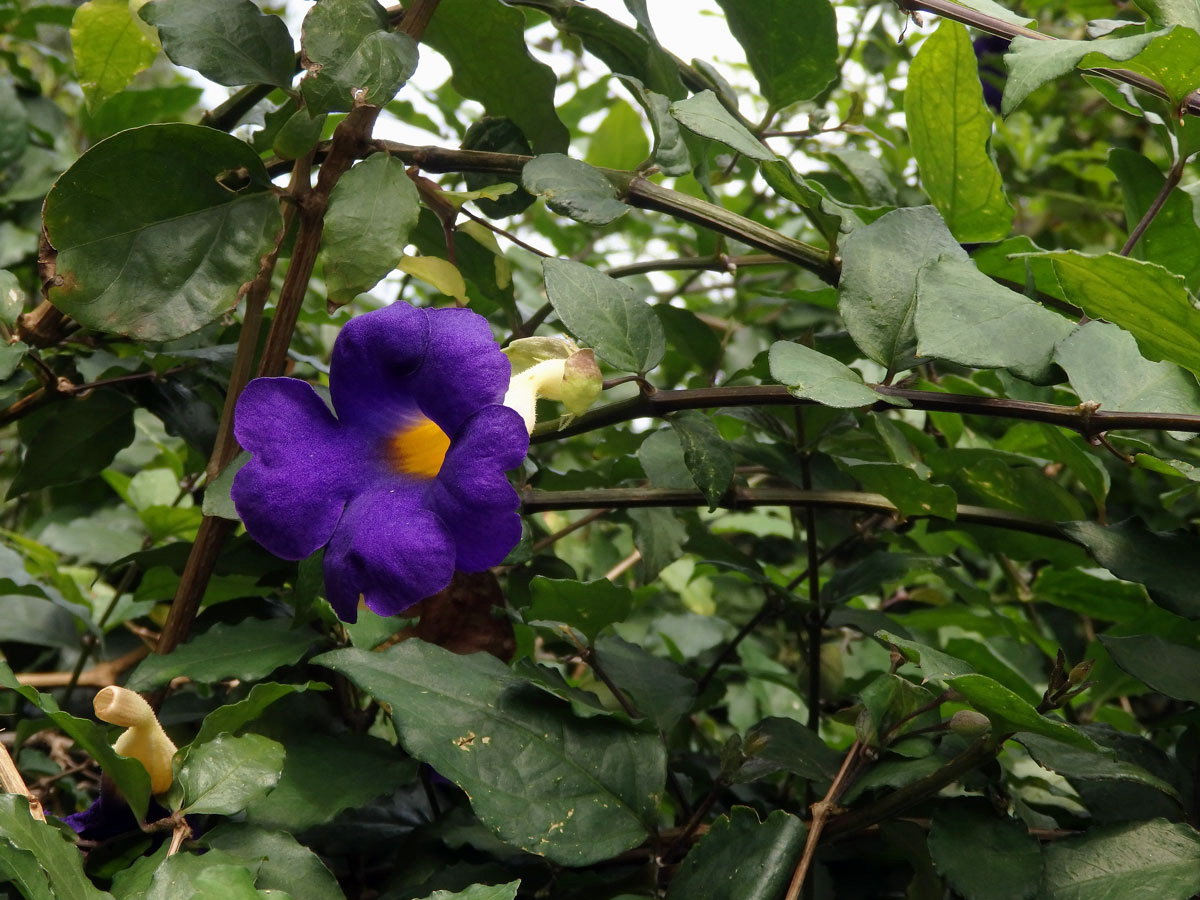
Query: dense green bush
[[856, 552]]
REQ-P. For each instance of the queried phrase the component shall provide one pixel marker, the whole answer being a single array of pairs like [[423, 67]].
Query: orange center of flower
[[419, 448]]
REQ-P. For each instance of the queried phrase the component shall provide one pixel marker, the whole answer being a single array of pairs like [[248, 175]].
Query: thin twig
[[821, 811], [12, 783], [581, 522], [1174, 176]]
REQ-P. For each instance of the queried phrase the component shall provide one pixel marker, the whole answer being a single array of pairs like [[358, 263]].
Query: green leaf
[[1173, 234], [934, 664], [572, 188], [1032, 62], [129, 775], [588, 607], [1104, 366], [1167, 667], [670, 148], [110, 48], [741, 857], [286, 864], [811, 375], [657, 687], [1171, 59], [950, 127], [1166, 563], [965, 317], [1009, 712], [70, 448], [603, 313], [576, 791], [911, 494], [14, 124], [877, 294], [624, 50], [661, 458], [1079, 764], [42, 862], [704, 115], [776, 744], [157, 228], [232, 717], [1089, 595], [1154, 860], [352, 56], [705, 453], [658, 535], [324, 774], [996, 10], [134, 108], [372, 209], [479, 892], [791, 61], [505, 79], [227, 774], [157, 878], [1172, 12], [246, 650], [226, 41], [618, 142], [1008, 869]]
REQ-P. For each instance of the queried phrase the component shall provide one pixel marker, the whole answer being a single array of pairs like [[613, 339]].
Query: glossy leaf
[[741, 857], [603, 313], [1154, 860], [791, 63], [573, 188], [1008, 711], [39, 860], [352, 56], [110, 48], [507, 80], [705, 453], [965, 317], [372, 209], [479, 892], [577, 791], [776, 744], [588, 607], [246, 650], [1084, 766], [1168, 667], [877, 294], [704, 115], [950, 127], [226, 41], [287, 865], [657, 687], [232, 717], [155, 249], [1009, 869], [227, 774]]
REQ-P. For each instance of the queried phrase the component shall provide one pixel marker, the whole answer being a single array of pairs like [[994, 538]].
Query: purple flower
[[406, 483]]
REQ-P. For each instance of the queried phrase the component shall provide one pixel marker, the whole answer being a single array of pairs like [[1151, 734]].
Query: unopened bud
[[969, 723], [1080, 673], [143, 739]]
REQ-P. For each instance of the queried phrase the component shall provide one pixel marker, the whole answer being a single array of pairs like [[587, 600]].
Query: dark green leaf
[[1166, 563], [498, 135], [232, 717], [287, 865], [656, 686], [658, 535], [73, 447], [226, 41], [588, 607], [1010, 713], [950, 128], [1172, 12], [965, 317], [1173, 232], [128, 774], [741, 858], [870, 573], [670, 148], [1169, 668], [791, 62], [911, 494], [372, 209], [776, 744], [39, 858], [624, 50], [705, 453], [811, 375], [352, 56], [156, 229], [134, 108], [1032, 62], [1171, 59], [227, 774], [505, 79], [934, 664], [705, 115], [984, 857], [603, 313], [573, 188], [479, 892], [661, 457], [576, 791], [14, 124], [1155, 860], [248, 650], [1058, 757], [324, 774], [877, 294], [618, 142]]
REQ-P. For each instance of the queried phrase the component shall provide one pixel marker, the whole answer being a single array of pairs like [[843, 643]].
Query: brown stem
[[581, 522], [821, 811], [717, 262], [1174, 175]]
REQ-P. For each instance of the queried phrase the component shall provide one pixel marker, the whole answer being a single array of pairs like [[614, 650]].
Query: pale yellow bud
[[144, 738]]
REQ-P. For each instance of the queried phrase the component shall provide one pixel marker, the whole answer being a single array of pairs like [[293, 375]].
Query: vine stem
[[745, 498], [1086, 420], [1174, 176], [821, 811]]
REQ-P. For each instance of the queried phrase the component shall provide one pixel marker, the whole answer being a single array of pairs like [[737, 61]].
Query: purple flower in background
[[406, 483]]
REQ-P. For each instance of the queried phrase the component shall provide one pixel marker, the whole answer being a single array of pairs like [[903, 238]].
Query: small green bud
[[582, 382], [1079, 674], [968, 723]]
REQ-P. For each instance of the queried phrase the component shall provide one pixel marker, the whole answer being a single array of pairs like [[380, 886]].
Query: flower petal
[[390, 549], [374, 359], [471, 494], [291, 493], [463, 371]]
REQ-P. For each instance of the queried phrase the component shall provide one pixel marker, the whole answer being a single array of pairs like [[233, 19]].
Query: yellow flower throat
[[418, 448]]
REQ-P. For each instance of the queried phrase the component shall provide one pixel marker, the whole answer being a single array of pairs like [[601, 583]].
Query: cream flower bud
[[143, 739], [553, 368]]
